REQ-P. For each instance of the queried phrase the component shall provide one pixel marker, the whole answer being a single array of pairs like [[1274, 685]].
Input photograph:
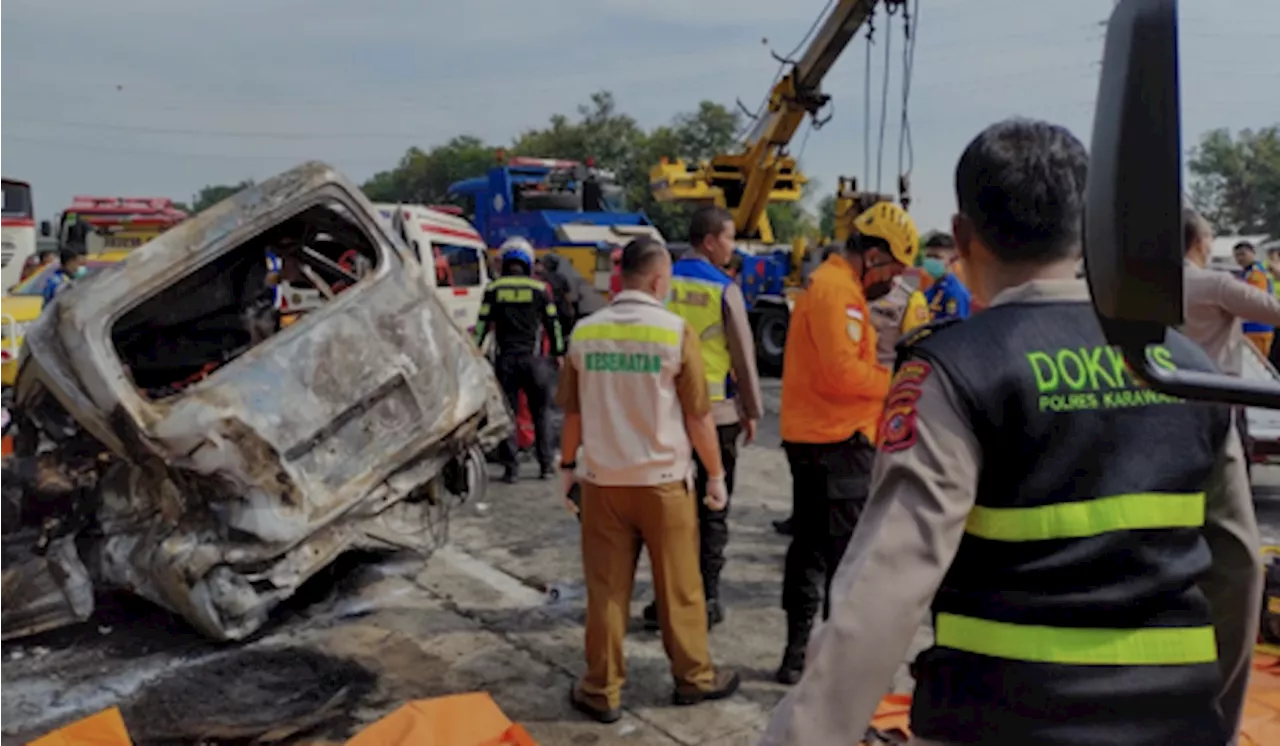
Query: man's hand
[[717, 493], [567, 480], [749, 428]]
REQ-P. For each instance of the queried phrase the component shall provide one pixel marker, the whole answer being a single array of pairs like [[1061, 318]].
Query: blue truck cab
[[570, 208]]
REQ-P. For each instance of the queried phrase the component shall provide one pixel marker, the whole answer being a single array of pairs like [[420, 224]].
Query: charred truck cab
[[177, 439]]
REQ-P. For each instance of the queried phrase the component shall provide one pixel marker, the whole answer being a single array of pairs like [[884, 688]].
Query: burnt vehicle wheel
[[467, 476]]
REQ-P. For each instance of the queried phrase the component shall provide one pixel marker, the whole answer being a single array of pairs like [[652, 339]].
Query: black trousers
[[713, 525], [830, 483], [531, 374]]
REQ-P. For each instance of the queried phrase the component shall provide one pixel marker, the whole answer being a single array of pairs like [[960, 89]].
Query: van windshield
[[17, 200]]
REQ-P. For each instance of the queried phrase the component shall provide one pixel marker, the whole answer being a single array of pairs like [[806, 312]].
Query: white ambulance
[[457, 251]]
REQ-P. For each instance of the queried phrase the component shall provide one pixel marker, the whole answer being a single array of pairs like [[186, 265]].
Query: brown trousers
[[615, 522]]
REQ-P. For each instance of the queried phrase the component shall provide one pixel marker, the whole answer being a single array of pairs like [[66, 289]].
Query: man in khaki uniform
[[1086, 546], [634, 394]]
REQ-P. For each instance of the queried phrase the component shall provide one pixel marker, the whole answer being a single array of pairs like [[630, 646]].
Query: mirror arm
[[1186, 384]]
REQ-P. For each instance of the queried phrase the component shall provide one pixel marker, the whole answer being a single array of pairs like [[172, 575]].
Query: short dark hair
[[1243, 245], [68, 255], [940, 241], [1193, 227], [707, 221], [639, 256], [1021, 182]]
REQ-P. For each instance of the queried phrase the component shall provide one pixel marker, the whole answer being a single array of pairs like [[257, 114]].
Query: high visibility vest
[[627, 356], [1257, 276], [1071, 614], [697, 296]]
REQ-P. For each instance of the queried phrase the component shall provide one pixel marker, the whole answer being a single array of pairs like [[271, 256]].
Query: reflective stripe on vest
[[1073, 520], [697, 295], [1149, 646], [629, 333], [1074, 645]]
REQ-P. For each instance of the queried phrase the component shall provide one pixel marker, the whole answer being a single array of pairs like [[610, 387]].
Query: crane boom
[[801, 94], [745, 182]]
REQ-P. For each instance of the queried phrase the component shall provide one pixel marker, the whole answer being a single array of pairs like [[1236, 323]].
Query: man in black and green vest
[[1085, 546]]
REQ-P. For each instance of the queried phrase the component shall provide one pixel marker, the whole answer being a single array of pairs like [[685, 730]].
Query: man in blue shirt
[[73, 268], [948, 297]]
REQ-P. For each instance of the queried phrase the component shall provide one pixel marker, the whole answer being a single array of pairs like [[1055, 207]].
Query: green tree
[[790, 221], [1236, 180], [599, 132], [693, 137], [212, 194], [424, 177], [827, 216]]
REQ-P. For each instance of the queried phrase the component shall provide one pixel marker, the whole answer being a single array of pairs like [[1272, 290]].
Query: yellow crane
[[762, 171], [746, 181]]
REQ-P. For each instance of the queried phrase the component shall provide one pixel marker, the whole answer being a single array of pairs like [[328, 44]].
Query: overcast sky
[[157, 97]]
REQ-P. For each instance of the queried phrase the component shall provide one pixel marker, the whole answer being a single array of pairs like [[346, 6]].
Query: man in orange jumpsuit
[[833, 391]]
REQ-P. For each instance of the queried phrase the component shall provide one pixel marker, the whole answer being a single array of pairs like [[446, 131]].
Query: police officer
[[72, 267], [833, 390], [1088, 545], [712, 305], [948, 298], [519, 310]]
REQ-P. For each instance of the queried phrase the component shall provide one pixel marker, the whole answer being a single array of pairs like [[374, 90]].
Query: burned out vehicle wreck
[[183, 434]]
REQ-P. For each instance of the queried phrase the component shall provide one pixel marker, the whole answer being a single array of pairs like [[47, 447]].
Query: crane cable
[[891, 11], [906, 149], [782, 67], [866, 102]]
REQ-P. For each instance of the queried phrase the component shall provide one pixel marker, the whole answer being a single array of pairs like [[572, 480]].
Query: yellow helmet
[[890, 222]]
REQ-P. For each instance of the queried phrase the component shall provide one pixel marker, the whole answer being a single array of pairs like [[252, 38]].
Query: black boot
[[650, 615], [798, 628], [511, 474], [715, 613]]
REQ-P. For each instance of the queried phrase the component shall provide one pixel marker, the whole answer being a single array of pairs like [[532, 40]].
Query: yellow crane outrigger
[[745, 182]]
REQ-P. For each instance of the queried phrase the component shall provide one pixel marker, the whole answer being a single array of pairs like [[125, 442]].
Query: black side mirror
[[46, 228], [1133, 211]]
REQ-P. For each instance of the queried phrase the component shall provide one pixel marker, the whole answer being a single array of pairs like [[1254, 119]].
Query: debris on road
[[182, 435]]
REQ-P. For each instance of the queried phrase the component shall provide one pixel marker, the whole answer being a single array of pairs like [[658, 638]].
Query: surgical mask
[[80, 272], [934, 267]]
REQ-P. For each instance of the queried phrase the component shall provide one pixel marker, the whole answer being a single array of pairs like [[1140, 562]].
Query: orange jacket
[[832, 386]]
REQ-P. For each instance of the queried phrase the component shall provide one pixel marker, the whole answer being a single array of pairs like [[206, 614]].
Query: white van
[[462, 267]]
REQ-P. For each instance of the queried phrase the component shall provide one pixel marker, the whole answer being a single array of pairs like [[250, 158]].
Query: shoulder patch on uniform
[[853, 312], [898, 424]]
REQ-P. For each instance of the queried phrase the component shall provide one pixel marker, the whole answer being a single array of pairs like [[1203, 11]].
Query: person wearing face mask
[[948, 297], [73, 267], [833, 391]]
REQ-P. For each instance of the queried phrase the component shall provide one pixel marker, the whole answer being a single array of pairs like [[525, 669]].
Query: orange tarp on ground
[[893, 716], [460, 720], [1261, 723], [103, 729]]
